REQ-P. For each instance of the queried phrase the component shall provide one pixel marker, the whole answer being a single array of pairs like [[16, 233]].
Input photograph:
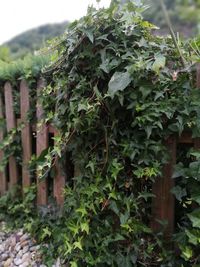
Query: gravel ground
[[19, 249]]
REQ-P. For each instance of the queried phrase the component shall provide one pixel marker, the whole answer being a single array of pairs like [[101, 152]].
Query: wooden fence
[[10, 177], [163, 205]]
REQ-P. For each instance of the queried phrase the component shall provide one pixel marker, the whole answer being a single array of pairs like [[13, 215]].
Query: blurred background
[[27, 25]]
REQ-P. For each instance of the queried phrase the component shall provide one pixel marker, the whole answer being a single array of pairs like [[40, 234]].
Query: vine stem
[[169, 24]]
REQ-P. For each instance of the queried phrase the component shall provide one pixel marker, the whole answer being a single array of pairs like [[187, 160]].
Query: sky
[[18, 16]]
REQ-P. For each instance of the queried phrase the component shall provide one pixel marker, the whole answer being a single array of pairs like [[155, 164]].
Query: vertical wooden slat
[[11, 123], [163, 203], [59, 181], [198, 75], [41, 144], [26, 133], [3, 184], [197, 140]]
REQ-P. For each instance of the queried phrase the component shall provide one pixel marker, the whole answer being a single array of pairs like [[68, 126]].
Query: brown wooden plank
[[197, 143], [3, 180], [59, 182], [11, 123], [26, 133], [163, 204], [198, 75], [186, 138], [41, 144]]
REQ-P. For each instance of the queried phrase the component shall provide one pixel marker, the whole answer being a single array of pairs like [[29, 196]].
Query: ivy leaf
[[78, 245], [179, 192], [194, 236], [196, 197], [73, 264], [118, 82], [124, 218], [187, 252], [89, 34], [159, 63], [85, 227], [195, 218]]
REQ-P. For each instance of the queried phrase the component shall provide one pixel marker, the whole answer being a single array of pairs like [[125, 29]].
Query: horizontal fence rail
[[35, 139]]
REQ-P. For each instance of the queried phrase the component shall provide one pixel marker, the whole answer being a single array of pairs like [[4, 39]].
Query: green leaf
[[194, 236], [195, 218], [187, 252], [124, 218], [73, 264], [118, 82], [179, 192], [159, 63], [85, 227], [196, 197], [89, 34], [78, 245]]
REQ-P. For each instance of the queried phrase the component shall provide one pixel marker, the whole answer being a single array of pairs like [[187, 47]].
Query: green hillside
[[34, 39]]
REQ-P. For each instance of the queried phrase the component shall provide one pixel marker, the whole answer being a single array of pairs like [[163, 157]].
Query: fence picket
[[41, 144], [163, 203], [10, 123], [3, 182], [26, 133]]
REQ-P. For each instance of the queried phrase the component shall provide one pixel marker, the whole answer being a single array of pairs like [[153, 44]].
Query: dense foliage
[[115, 92]]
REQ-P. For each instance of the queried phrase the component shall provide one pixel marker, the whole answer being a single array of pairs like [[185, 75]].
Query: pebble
[[18, 249]]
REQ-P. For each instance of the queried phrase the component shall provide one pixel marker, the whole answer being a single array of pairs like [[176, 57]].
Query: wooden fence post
[[3, 182], [163, 203], [26, 133], [198, 76], [41, 144], [11, 123]]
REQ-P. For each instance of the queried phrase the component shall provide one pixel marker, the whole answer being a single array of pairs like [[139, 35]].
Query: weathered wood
[[10, 123], [26, 133], [41, 144], [186, 138], [3, 182], [198, 76], [59, 180], [163, 204]]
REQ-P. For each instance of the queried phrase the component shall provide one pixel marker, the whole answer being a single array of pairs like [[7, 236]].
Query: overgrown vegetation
[[115, 92]]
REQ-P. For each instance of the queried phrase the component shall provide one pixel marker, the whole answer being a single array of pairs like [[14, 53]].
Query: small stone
[[17, 261], [12, 243], [26, 257], [18, 247], [25, 264], [4, 256], [25, 249], [20, 254], [34, 248], [7, 263], [24, 237], [24, 243], [2, 248]]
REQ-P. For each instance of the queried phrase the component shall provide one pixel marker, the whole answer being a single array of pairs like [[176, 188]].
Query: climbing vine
[[115, 92]]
